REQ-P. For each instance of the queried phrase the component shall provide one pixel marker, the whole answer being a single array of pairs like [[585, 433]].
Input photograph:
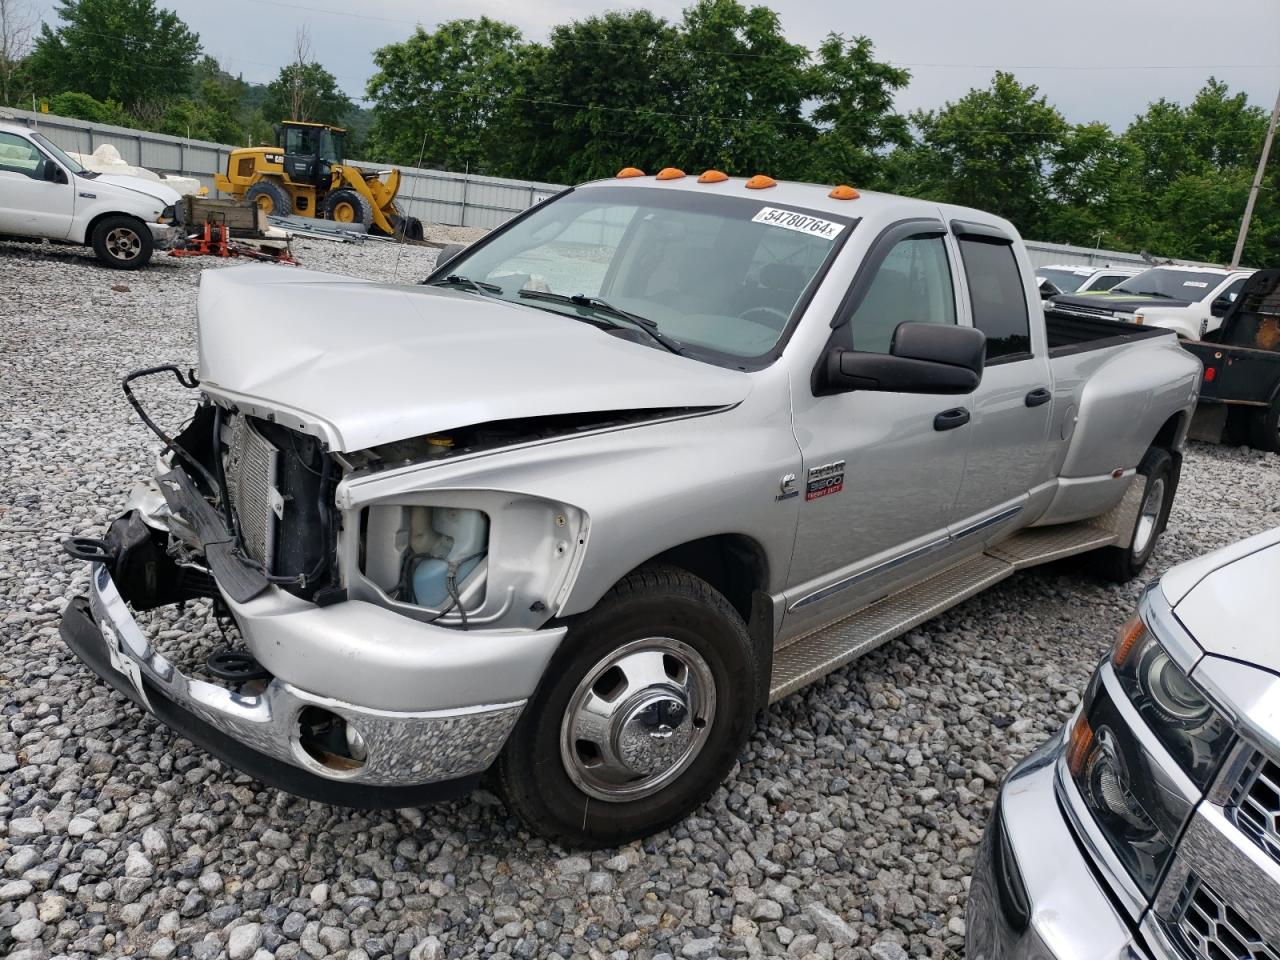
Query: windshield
[[1190, 285], [54, 149], [721, 275], [1065, 280]]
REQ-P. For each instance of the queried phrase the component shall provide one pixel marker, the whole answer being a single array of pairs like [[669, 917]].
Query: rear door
[[881, 469], [1013, 405], [30, 205]]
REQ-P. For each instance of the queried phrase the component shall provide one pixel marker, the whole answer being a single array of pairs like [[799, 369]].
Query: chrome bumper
[[164, 235], [1034, 896], [404, 748]]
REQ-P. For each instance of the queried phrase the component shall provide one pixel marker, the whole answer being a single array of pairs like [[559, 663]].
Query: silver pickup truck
[[657, 452]]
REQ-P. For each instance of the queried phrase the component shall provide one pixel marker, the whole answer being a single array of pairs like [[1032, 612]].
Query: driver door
[[881, 469], [30, 205]]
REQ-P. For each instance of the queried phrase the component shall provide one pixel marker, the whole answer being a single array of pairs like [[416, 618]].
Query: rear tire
[[640, 715], [122, 243], [1264, 427], [347, 206], [271, 198], [1122, 564]]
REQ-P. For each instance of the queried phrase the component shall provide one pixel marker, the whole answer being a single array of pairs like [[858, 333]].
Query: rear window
[[998, 299]]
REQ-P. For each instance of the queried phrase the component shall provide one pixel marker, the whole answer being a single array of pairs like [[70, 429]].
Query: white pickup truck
[[1190, 301], [46, 194]]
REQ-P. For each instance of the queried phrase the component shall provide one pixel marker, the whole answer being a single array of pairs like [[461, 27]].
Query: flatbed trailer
[[1241, 382]]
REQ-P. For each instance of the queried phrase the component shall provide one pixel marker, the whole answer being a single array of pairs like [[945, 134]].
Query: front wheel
[[640, 716], [1122, 564], [122, 243]]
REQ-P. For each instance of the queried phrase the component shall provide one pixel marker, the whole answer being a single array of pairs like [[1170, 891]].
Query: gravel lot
[[848, 829]]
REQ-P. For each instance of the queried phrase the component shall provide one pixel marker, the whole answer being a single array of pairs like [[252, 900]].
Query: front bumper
[[164, 235], [413, 756], [1034, 894]]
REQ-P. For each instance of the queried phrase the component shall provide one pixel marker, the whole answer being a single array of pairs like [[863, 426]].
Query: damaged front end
[[374, 672]]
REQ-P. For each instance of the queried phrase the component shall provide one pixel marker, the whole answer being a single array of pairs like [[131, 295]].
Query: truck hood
[[149, 188], [362, 364], [1226, 600], [1115, 302]]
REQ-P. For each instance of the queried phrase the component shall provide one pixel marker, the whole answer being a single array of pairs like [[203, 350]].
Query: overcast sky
[[1095, 59]]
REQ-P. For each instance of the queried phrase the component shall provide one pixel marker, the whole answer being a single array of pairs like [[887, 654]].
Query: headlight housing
[[1116, 776], [168, 214], [1181, 718]]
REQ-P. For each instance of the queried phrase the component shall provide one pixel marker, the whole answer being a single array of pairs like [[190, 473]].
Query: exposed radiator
[[252, 467]]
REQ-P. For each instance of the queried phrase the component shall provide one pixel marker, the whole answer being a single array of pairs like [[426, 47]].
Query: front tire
[[271, 198], [347, 206], [1122, 564], [641, 714], [122, 243]]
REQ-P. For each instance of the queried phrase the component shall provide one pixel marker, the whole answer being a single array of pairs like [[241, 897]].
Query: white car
[[1191, 301], [1059, 278], [44, 193]]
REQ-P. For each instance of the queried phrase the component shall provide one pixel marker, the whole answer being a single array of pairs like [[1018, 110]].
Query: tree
[[304, 90], [439, 95], [122, 50], [854, 112], [601, 95], [991, 149], [1184, 188], [742, 91], [17, 23], [84, 107]]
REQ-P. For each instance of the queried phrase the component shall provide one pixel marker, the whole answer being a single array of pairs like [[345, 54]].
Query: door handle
[[950, 419], [1038, 396]]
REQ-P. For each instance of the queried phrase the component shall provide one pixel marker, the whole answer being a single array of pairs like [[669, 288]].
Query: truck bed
[[1070, 333]]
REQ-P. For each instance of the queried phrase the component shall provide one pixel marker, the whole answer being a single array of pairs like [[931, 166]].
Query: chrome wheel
[[1148, 517], [638, 719], [123, 243]]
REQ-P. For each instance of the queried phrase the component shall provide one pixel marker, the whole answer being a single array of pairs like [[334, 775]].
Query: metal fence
[[434, 196]]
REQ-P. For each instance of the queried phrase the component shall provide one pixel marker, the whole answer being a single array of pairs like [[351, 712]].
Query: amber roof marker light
[[627, 172], [713, 176], [761, 182], [844, 192], [669, 173]]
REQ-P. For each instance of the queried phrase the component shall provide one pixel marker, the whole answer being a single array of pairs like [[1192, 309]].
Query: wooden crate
[[242, 217]]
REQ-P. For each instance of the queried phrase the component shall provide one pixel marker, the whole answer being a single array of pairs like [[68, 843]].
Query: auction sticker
[[799, 222], [1195, 283]]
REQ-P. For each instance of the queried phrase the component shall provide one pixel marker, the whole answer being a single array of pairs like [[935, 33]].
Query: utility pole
[[1257, 183]]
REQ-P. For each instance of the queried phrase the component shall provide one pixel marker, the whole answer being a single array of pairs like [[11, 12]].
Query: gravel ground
[[848, 829]]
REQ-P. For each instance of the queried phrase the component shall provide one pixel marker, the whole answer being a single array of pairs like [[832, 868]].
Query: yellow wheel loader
[[306, 175]]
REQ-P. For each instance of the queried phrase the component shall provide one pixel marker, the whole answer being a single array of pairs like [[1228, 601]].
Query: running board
[[814, 656]]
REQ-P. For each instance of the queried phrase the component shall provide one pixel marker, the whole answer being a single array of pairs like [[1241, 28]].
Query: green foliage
[[305, 91], [84, 107], [440, 95], [122, 50]]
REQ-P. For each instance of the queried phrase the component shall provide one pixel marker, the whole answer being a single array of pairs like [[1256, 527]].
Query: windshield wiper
[[480, 287], [1149, 293], [604, 306]]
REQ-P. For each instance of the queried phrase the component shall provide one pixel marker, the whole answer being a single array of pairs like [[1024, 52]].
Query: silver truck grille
[[252, 465], [1214, 931], [1255, 803]]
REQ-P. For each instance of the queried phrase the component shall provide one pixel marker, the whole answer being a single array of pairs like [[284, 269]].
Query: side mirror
[[923, 358], [1220, 306], [448, 252], [54, 173]]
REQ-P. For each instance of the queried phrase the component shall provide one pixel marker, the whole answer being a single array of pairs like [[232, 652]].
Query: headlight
[[168, 214], [1117, 777], [1177, 713]]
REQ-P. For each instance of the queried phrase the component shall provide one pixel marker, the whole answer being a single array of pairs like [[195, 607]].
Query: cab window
[[912, 285], [998, 299], [18, 155]]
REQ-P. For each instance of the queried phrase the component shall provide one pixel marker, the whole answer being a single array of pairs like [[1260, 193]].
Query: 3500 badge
[[824, 480]]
